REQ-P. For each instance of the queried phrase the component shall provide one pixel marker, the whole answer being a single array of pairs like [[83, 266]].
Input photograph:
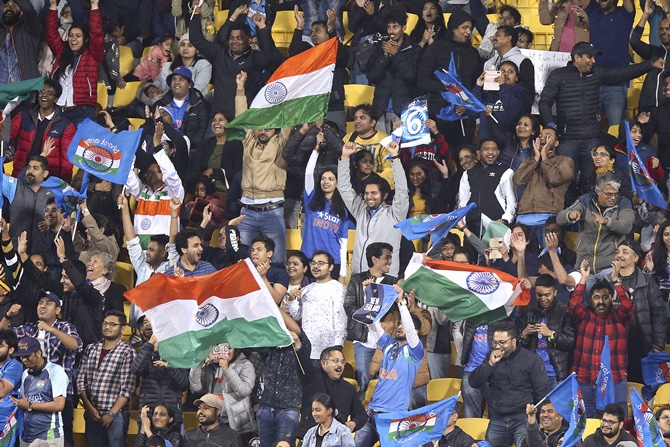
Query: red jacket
[[61, 129], [85, 79]]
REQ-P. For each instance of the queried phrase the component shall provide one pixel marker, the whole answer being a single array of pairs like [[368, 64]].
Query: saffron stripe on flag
[[299, 86], [308, 61]]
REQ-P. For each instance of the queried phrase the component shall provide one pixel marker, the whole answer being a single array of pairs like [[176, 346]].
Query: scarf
[[603, 170], [101, 284]]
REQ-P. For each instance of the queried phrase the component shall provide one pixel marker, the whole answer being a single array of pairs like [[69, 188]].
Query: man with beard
[[611, 431], [54, 221], [648, 328], [189, 246], [551, 428], [321, 306], [327, 378], [593, 323], [515, 377], [142, 334], [275, 279], [20, 42], [211, 430], [28, 200]]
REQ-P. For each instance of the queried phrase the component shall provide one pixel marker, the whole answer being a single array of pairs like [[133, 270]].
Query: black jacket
[[394, 77], [563, 345], [657, 125], [362, 24], [344, 395], [231, 159], [514, 381], [468, 337], [196, 117], [220, 436], [26, 39], [437, 57], [455, 438], [652, 90], [577, 97], [354, 299], [536, 437], [597, 439]]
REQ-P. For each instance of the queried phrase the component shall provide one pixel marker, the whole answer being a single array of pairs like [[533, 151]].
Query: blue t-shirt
[[396, 375], [610, 33], [44, 387], [543, 351], [480, 348], [10, 372], [323, 230]]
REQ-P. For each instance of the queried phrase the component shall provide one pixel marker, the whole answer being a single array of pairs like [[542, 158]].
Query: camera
[[378, 38]]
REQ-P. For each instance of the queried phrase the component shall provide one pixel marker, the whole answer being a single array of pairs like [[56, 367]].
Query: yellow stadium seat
[[8, 167], [125, 96], [78, 423], [662, 397], [124, 275], [146, 51], [282, 28], [368, 393], [127, 331], [103, 96], [354, 382], [136, 122], [614, 130], [638, 387], [293, 240], [348, 353], [439, 389], [412, 20], [348, 34], [591, 426], [126, 60], [220, 18], [355, 94], [475, 427]]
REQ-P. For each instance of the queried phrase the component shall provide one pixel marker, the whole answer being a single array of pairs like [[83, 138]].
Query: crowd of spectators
[[593, 253]]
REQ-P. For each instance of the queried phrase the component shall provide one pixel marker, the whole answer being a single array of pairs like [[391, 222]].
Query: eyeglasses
[[337, 361], [665, 417], [50, 210], [608, 422], [47, 92], [610, 195], [500, 343], [318, 263], [600, 154], [110, 324]]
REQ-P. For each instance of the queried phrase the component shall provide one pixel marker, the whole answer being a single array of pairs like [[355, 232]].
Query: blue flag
[[2, 181], [107, 155], [456, 95], [12, 429], [436, 224], [605, 380], [642, 183], [568, 402], [416, 427], [67, 198], [378, 300], [655, 372], [646, 427]]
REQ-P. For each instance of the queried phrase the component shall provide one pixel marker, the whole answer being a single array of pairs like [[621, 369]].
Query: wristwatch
[[110, 412], [30, 406]]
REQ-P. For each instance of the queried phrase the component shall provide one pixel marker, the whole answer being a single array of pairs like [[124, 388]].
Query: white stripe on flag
[[314, 83]]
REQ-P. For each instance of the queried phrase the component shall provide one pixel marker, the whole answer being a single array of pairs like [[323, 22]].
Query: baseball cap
[[27, 346], [181, 71], [52, 297], [211, 400], [582, 48]]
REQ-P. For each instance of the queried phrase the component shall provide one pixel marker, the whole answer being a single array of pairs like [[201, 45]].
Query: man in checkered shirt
[[106, 382]]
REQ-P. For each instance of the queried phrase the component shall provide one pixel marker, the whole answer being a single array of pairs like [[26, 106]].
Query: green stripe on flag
[[21, 89], [289, 113], [437, 290], [489, 317], [191, 348]]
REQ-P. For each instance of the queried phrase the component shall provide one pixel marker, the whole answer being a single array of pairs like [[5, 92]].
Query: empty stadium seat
[[439, 389], [354, 382], [591, 426], [293, 239], [125, 96], [662, 397], [369, 392], [220, 18], [126, 60], [136, 122], [124, 275], [355, 94], [475, 427], [282, 28], [638, 387], [103, 96]]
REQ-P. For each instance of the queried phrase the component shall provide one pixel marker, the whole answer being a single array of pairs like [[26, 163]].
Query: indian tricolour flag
[[190, 315], [298, 92], [461, 291]]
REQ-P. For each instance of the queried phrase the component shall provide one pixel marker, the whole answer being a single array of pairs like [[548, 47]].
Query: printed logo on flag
[[663, 372], [403, 430], [483, 283], [93, 154], [207, 315], [275, 92], [606, 371]]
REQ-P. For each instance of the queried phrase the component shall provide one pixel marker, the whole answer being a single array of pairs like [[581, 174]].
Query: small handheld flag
[[646, 427], [438, 225], [568, 402], [605, 380], [378, 301], [642, 183]]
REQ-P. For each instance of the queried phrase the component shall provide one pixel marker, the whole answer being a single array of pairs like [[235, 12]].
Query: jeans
[[438, 365], [266, 223], [367, 435], [613, 101], [553, 382], [473, 398], [418, 397], [292, 212], [363, 357], [589, 396], [580, 152], [506, 431], [312, 14], [277, 423], [80, 114], [592, 280], [113, 436]]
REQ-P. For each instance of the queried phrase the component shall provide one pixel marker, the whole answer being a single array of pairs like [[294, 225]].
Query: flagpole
[[76, 221], [494, 118], [298, 359], [462, 127], [123, 192]]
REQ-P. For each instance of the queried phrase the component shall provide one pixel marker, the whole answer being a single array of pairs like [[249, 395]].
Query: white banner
[[544, 62]]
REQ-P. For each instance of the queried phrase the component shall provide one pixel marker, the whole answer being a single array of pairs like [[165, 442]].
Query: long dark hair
[[530, 237], [318, 202], [427, 185], [178, 61], [535, 127], [68, 56], [660, 253], [417, 32]]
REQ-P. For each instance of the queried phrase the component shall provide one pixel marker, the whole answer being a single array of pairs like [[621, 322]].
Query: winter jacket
[[598, 440], [577, 97], [85, 77], [27, 208], [516, 380], [558, 319], [508, 105], [227, 68], [219, 436], [25, 37], [169, 434], [480, 183], [650, 310], [337, 436], [60, 129], [537, 437], [651, 95], [657, 125], [110, 72], [377, 227], [598, 243], [394, 77], [363, 24], [354, 299], [196, 117], [545, 183], [525, 67], [136, 14], [468, 337], [238, 383], [344, 395], [558, 16], [159, 384], [437, 57], [150, 67]]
